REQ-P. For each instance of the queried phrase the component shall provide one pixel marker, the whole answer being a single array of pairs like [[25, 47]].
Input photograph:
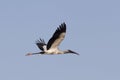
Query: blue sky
[[93, 30]]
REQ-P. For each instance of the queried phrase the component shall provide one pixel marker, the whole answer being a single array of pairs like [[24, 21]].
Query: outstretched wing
[[57, 37], [41, 43]]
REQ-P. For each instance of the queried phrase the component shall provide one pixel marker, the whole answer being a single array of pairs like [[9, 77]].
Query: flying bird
[[52, 46]]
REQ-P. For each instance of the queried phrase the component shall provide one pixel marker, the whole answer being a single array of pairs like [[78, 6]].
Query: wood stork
[[52, 46]]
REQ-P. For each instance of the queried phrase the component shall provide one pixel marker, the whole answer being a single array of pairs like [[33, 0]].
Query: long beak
[[74, 52]]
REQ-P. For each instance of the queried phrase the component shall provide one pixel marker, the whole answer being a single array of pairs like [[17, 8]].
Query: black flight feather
[[59, 30], [40, 43]]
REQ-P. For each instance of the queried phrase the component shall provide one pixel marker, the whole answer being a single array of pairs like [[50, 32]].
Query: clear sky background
[[93, 30]]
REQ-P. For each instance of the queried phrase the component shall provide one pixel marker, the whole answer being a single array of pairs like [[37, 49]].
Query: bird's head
[[70, 51]]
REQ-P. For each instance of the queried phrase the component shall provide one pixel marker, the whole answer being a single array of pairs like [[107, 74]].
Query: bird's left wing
[[41, 43], [57, 37]]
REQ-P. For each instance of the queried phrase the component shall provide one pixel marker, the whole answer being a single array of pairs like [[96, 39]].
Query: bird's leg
[[29, 54]]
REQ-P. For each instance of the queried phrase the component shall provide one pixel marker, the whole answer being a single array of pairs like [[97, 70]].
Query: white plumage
[[52, 46]]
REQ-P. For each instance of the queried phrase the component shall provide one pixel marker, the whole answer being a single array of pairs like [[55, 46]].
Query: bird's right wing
[[41, 44], [57, 37]]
